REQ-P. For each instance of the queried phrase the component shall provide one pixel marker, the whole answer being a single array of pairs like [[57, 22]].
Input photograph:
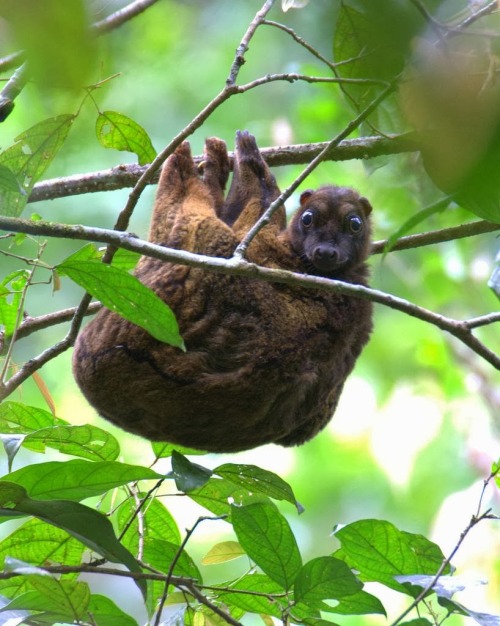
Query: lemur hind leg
[[216, 170], [253, 188]]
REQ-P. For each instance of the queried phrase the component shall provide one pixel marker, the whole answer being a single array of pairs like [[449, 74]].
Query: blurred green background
[[418, 425]]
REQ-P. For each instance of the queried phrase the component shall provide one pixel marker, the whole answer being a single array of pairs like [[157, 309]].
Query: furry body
[[264, 362]]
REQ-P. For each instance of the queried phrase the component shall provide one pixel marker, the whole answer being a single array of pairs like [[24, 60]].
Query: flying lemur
[[265, 362]]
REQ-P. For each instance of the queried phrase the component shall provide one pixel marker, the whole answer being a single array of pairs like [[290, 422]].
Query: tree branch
[[122, 176], [121, 16], [34, 324], [240, 267]]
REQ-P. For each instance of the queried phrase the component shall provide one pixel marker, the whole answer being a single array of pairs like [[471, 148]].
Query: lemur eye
[[355, 224], [307, 218]]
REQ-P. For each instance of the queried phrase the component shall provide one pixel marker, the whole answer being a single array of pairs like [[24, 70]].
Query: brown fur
[[264, 362]]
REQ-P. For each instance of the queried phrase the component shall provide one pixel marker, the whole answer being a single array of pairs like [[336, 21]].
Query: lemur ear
[[305, 195], [366, 206]]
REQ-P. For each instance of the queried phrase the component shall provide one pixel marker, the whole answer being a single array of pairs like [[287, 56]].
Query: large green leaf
[[90, 527], [52, 599], [325, 578], [125, 294], [258, 479], [88, 442], [267, 538], [379, 552], [76, 479], [29, 157], [104, 612], [36, 542], [115, 130], [255, 584]]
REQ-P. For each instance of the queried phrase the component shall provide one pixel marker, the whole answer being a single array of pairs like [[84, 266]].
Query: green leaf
[[255, 583], [360, 37], [23, 419], [379, 552], [115, 130], [58, 600], [266, 537], [76, 479], [163, 450], [29, 157], [90, 527], [126, 295], [187, 475], [217, 494], [88, 442], [325, 578], [11, 313], [360, 603], [257, 479], [436, 207], [160, 554], [125, 259], [8, 181], [36, 542], [155, 522], [223, 552], [104, 612]]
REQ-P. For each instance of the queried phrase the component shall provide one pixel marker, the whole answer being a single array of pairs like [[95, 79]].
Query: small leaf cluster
[[60, 535]]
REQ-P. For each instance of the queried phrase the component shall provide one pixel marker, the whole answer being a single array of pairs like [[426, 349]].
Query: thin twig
[[175, 560], [239, 58]]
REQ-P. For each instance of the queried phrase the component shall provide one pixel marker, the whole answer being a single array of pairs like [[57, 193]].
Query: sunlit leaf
[[29, 157], [11, 312], [218, 494], [76, 479], [21, 418], [223, 552], [360, 603], [125, 259], [104, 612], [88, 442], [266, 537], [115, 130], [126, 295], [164, 449], [57, 600], [379, 552], [325, 578], [261, 584], [258, 479], [90, 527]]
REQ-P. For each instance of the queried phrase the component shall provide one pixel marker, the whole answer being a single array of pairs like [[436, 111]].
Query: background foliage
[[416, 433]]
